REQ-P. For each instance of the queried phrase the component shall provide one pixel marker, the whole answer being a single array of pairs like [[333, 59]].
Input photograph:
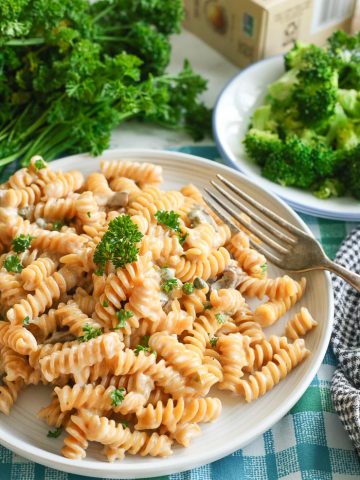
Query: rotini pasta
[[132, 303]]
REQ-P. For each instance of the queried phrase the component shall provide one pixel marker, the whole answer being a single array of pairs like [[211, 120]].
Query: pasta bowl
[[239, 423]]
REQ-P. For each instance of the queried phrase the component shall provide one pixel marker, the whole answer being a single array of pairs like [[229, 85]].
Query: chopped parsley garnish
[[118, 245], [213, 341], [199, 283], [220, 318], [105, 303], [54, 433], [13, 264], [169, 285], [117, 396], [170, 219], [26, 321], [141, 348], [39, 164], [188, 288], [90, 332], [89, 214], [122, 316], [263, 267], [125, 424], [144, 346], [57, 225], [182, 237], [22, 242]]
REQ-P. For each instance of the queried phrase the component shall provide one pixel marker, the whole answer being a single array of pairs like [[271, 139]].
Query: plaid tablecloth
[[309, 443]]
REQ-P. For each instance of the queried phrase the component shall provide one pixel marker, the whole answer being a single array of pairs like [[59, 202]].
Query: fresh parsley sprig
[[12, 263], [90, 332], [169, 219], [118, 245]]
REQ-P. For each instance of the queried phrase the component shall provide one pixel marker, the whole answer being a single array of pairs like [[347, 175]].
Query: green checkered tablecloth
[[309, 443]]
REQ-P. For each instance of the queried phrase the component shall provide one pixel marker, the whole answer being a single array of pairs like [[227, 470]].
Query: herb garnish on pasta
[[118, 244]]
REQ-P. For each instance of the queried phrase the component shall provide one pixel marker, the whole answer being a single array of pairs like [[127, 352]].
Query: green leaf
[[213, 341], [169, 285], [117, 396], [118, 245], [12, 264], [122, 316], [188, 288], [22, 242], [26, 321], [90, 332], [168, 218]]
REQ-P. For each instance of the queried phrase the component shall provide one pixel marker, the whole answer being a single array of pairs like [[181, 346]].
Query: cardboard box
[[248, 30]]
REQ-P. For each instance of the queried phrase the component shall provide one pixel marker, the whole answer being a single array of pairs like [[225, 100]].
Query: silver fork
[[290, 247]]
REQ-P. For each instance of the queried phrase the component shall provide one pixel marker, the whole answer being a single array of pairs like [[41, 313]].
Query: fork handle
[[350, 277]]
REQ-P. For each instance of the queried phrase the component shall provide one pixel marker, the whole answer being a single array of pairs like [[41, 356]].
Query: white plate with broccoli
[[304, 141]]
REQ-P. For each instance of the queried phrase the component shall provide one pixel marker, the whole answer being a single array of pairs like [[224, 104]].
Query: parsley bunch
[[72, 70], [118, 245]]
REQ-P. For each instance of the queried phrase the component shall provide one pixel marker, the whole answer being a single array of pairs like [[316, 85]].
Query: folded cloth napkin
[[345, 387]]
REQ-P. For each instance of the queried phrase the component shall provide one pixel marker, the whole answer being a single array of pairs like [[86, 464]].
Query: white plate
[[239, 423], [231, 118]]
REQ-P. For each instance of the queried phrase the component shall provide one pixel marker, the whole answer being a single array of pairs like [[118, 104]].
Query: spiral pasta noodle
[[105, 431], [264, 380], [268, 313], [142, 173], [74, 359], [171, 414], [300, 325]]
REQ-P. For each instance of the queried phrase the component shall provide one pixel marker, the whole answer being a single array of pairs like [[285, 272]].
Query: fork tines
[[227, 212]]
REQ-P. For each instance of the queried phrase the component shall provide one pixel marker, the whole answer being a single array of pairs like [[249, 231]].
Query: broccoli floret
[[350, 102], [290, 165], [330, 187], [262, 119], [315, 92], [315, 104], [344, 54], [298, 163], [346, 137], [351, 171], [316, 66], [294, 56], [259, 144], [279, 93]]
